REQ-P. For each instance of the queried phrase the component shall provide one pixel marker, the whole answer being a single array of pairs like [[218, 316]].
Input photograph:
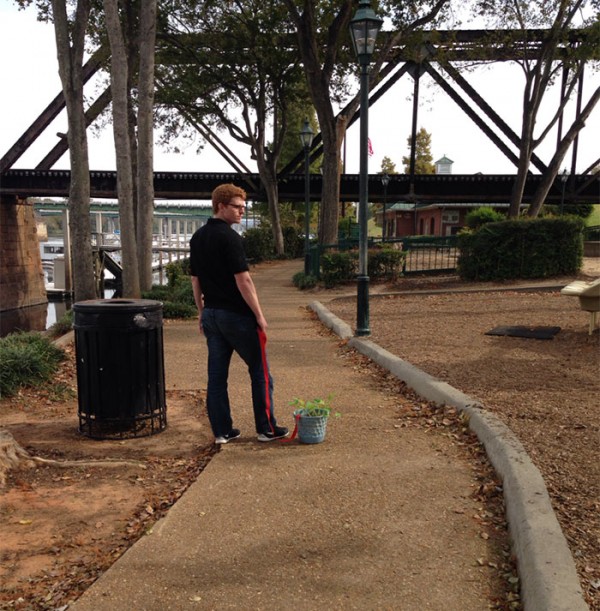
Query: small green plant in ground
[[314, 407], [172, 309], [26, 359], [303, 281], [62, 326]]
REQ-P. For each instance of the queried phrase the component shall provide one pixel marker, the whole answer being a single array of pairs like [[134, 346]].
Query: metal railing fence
[[424, 254]]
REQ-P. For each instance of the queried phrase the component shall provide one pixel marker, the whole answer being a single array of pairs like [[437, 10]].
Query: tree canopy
[[423, 158]]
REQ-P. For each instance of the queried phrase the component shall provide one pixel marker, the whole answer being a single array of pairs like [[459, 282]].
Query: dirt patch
[[61, 527], [546, 391]]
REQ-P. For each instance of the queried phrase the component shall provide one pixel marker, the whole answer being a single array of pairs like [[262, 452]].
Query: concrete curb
[[549, 580], [64, 340]]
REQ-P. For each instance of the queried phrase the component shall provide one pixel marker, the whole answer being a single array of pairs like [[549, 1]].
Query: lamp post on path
[[364, 27], [385, 181], [306, 137], [563, 177]]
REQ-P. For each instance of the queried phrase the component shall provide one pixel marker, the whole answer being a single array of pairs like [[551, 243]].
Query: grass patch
[[26, 359], [62, 326], [594, 218]]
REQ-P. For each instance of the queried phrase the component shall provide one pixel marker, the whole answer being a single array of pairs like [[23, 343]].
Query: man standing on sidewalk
[[230, 317]]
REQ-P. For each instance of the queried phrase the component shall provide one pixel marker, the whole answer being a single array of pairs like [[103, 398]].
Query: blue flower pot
[[311, 429]]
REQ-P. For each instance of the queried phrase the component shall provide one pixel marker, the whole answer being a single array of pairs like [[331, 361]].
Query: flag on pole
[[370, 147]]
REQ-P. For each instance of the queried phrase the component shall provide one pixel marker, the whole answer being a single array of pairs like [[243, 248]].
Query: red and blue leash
[[262, 338]]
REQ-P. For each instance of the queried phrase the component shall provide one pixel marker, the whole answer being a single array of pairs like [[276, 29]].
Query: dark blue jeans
[[225, 332]]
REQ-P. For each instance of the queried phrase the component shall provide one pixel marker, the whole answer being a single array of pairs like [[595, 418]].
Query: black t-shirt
[[216, 255]]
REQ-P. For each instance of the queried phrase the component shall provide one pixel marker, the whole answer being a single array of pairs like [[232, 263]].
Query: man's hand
[[262, 323], [248, 291], [198, 299]]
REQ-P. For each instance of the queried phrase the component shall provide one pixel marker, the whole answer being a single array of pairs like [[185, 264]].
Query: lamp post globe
[[364, 27], [306, 137]]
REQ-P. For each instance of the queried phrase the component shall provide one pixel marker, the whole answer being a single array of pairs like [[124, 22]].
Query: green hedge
[[177, 296], [382, 263], [385, 263], [480, 216], [293, 242], [522, 248], [258, 244]]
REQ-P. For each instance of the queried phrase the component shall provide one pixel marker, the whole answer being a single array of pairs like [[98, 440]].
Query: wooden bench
[[589, 298]]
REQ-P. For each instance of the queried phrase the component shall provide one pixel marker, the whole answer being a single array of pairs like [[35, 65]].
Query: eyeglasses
[[238, 207]]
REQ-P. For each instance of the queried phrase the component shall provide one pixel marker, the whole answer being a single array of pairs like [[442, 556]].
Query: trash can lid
[[117, 305]]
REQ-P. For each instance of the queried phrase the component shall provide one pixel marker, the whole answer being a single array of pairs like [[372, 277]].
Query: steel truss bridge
[[427, 188], [429, 52]]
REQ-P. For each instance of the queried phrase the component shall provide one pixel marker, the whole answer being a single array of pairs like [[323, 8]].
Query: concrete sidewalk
[[377, 517]]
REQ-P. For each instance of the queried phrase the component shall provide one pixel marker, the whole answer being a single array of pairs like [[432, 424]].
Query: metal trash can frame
[[120, 368]]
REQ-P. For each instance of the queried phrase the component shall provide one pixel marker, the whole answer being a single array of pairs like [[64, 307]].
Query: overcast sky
[[29, 81]]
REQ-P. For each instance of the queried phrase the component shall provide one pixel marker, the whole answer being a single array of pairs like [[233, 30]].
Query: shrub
[[385, 262], [26, 359], [347, 228], [523, 248], [172, 309], [303, 281], [592, 233], [582, 210], [62, 326], [258, 244], [339, 267], [158, 292], [480, 216], [176, 271], [382, 262], [293, 242], [183, 293], [177, 295]]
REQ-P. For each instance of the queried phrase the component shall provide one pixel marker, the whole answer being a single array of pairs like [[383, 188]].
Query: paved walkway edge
[[549, 580]]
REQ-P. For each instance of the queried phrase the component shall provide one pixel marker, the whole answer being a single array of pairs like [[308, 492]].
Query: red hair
[[223, 194]]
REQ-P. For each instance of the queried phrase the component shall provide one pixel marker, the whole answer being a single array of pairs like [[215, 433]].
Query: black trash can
[[120, 368]]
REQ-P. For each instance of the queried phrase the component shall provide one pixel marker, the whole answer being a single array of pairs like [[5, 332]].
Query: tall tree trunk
[[119, 87], [70, 64], [319, 75], [553, 168], [531, 98], [516, 196], [268, 179], [330, 196], [145, 165]]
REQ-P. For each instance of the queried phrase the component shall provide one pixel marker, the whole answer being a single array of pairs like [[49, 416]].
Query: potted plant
[[311, 418]]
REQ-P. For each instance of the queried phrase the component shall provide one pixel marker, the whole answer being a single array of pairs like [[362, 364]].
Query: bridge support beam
[[21, 274]]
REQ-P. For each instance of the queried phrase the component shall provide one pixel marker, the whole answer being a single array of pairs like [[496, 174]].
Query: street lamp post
[[364, 27], [306, 137], [563, 177], [385, 181]]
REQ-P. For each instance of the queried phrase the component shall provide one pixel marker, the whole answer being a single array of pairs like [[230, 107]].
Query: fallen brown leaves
[[61, 528], [82, 557]]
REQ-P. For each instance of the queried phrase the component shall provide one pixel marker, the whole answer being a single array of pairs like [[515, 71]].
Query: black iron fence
[[424, 254], [430, 254]]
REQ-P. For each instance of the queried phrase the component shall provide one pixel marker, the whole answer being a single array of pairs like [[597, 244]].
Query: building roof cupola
[[443, 165]]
